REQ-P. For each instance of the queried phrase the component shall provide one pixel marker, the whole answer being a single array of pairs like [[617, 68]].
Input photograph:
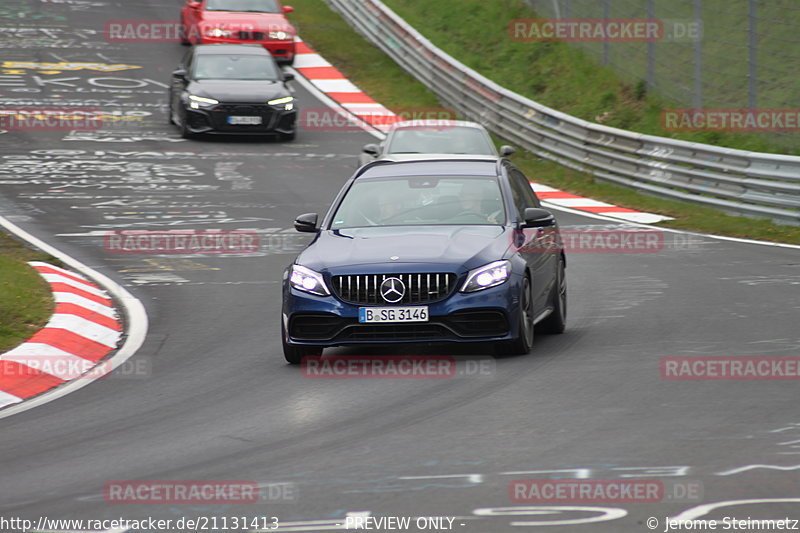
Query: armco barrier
[[747, 183]]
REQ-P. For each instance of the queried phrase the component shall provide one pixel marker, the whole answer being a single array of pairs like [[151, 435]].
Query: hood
[[247, 21], [449, 248], [250, 91]]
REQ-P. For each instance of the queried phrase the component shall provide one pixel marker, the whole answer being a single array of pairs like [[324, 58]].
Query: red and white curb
[[555, 198], [83, 330], [327, 79]]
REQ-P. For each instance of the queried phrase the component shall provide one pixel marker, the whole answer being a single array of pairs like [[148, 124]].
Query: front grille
[[251, 36], [243, 109], [223, 111], [364, 289], [394, 332]]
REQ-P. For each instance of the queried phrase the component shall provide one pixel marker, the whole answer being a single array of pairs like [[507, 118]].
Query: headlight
[[280, 35], [305, 279], [200, 101], [217, 32], [487, 276], [287, 102]]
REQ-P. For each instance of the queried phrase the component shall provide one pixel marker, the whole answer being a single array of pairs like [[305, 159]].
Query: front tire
[[524, 342], [294, 354]]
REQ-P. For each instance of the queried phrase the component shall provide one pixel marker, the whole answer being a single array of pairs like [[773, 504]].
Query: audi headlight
[[287, 102], [196, 102], [279, 35], [216, 33], [306, 280], [487, 276]]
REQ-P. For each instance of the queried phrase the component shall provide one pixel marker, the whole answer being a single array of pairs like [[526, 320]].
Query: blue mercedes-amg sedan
[[445, 250]]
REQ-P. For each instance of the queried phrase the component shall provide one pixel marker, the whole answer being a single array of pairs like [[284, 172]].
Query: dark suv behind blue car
[[447, 250]]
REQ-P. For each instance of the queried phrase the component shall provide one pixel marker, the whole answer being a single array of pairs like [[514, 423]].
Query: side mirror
[[287, 9], [306, 223], [179, 74], [288, 76], [538, 218], [371, 149], [507, 150]]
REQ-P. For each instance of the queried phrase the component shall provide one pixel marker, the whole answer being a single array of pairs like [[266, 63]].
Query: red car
[[240, 21]]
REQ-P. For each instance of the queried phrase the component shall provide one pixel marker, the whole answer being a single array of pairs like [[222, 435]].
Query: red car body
[[233, 22]]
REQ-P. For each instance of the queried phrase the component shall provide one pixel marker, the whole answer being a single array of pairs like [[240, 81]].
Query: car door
[[537, 248]]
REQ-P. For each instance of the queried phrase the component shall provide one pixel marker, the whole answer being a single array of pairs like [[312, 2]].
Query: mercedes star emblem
[[393, 290]]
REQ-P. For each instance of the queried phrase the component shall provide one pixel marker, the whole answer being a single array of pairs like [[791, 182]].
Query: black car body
[[404, 255], [231, 89]]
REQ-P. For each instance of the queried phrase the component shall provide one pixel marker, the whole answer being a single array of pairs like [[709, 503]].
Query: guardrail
[[736, 181]]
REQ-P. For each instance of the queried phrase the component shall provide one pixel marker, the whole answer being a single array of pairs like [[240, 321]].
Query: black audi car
[[447, 250], [231, 89]]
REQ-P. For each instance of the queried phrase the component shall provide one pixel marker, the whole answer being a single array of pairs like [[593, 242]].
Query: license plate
[[392, 314], [244, 121]]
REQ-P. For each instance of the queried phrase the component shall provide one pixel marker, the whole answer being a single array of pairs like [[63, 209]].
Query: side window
[[521, 191]]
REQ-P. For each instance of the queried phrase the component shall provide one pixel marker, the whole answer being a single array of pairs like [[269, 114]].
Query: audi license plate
[[392, 314], [244, 121]]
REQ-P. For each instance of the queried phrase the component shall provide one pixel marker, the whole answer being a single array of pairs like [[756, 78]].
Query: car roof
[[435, 123], [443, 166], [241, 49]]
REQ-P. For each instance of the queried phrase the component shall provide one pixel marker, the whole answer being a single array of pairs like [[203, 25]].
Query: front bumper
[[488, 315], [215, 120]]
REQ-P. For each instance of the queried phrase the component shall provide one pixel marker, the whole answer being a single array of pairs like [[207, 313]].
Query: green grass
[[558, 74], [26, 302], [384, 80]]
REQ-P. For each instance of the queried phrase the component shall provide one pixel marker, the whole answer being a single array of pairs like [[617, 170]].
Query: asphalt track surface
[[218, 402]]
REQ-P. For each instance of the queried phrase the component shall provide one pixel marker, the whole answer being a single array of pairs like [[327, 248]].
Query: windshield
[[444, 140], [421, 201], [235, 67], [258, 6]]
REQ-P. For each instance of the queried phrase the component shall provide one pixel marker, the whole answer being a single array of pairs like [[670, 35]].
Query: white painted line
[[8, 399], [671, 230], [134, 310], [86, 303], [34, 349], [309, 61], [539, 187], [578, 202], [59, 269], [58, 278], [369, 109], [643, 218], [85, 328], [336, 86]]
